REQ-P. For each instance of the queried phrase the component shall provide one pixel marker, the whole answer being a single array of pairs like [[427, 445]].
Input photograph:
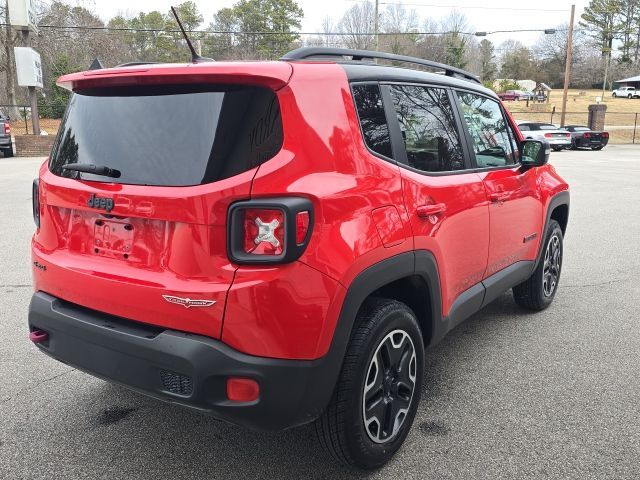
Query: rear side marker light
[[269, 230], [242, 389], [35, 202], [302, 226]]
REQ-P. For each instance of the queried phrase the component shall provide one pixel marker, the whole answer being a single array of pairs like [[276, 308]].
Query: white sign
[[28, 67], [22, 13]]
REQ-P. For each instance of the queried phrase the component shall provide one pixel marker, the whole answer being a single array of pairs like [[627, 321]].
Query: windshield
[[168, 135]]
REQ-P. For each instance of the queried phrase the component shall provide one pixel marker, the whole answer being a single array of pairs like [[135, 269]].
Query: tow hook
[[38, 336]]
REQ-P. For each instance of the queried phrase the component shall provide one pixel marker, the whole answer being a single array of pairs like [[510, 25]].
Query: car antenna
[[195, 58]]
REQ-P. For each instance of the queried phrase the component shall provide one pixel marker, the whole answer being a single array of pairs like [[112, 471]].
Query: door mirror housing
[[535, 153]]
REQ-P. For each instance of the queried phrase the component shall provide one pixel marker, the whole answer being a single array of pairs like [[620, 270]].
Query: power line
[[465, 7], [320, 34]]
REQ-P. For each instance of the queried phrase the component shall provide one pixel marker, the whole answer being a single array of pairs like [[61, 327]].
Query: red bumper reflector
[[38, 336], [242, 389]]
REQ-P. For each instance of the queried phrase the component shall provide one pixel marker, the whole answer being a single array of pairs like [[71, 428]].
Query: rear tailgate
[[170, 242]]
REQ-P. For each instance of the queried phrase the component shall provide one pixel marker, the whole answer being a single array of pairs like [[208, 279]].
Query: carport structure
[[630, 82]]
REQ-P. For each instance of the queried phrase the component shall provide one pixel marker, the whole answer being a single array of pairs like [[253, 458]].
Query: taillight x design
[[274, 230]]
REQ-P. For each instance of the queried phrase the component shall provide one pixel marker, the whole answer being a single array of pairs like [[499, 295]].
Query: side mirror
[[535, 153]]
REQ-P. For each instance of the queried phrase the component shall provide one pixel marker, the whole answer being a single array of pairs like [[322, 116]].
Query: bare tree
[[356, 21], [398, 24]]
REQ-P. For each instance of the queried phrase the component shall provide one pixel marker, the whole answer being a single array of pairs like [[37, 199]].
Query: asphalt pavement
[[508, 394]]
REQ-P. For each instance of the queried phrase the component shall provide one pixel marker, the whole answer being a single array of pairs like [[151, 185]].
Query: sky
[[483, 15]]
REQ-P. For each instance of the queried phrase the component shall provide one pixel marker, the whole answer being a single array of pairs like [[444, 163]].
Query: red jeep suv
[[276, 243]]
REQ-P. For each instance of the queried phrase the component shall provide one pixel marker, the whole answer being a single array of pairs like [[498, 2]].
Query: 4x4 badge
[[187, 302]]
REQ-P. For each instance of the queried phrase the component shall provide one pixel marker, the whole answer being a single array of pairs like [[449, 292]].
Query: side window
[[428, 128], [372, 120], [524, 128], [488, 130]]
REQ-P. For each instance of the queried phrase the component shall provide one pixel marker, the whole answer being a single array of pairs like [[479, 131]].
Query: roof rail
[[308, 53], [131, 64]]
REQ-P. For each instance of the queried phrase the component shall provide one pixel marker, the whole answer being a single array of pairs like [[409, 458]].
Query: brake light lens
[[605, 134], [568, 135], [264, 231], [7, 128], [586, 135], [548, 135]]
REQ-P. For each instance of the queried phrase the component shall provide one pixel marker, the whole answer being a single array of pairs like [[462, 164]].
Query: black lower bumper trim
[[189, 370]]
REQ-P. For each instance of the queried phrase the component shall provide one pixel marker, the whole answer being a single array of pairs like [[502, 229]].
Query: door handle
[[425, 211], [498, 197]]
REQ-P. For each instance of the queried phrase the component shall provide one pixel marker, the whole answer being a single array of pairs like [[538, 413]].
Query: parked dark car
[[584, 137], [5, 136]]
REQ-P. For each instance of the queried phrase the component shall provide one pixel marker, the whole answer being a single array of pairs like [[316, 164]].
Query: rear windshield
[[169, 135], [547, 127]]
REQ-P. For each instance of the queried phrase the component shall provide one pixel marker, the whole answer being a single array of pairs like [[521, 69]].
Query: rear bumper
[[5, 141], [190, 370]]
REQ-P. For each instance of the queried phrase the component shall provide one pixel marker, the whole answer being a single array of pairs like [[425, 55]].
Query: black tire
[[599, 147], [556, 149], [536, 293], [614, 95], [341, 429], [7, 152], [629, 96]]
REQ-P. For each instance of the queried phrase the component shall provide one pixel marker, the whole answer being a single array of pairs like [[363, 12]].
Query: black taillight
[[270, 230], [35, 201]]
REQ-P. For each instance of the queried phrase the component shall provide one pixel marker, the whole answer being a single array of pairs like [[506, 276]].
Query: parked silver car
[[558, 138]]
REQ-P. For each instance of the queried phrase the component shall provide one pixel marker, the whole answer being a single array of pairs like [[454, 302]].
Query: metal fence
[[623, 127]]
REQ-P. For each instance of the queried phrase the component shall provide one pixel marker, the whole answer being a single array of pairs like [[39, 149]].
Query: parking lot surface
[[508, 394]]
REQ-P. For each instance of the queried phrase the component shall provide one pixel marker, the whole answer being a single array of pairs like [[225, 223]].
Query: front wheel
[[614, 95], [378, 391], [539, 290]]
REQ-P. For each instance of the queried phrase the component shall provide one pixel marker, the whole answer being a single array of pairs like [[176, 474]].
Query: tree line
[[71, 36]]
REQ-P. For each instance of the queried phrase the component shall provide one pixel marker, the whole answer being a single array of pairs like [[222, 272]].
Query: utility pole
[[375, 25], [33, 95], [567, 66]]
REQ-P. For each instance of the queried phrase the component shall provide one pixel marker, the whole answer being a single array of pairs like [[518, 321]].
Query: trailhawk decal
[[187, 302]]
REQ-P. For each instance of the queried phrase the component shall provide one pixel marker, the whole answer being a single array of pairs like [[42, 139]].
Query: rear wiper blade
[[94, 169]]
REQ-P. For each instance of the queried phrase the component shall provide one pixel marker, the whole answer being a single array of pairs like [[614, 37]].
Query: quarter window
[[428, 128], [372, 119], [488, 130]]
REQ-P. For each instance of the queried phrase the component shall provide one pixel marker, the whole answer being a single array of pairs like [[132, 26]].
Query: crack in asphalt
[[32, 387], [598, 284]]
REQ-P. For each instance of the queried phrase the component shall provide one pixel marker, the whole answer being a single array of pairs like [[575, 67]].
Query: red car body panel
[[366, 210]]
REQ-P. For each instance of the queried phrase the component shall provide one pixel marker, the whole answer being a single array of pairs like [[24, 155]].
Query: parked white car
[[558, 138], [626, 92]]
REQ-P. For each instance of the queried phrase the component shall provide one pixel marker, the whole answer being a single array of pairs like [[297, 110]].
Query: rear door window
[[428, 127], [168, 135], [373, 123]]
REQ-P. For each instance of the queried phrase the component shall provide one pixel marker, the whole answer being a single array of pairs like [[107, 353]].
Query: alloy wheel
[[389, 386], [551, 266]]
